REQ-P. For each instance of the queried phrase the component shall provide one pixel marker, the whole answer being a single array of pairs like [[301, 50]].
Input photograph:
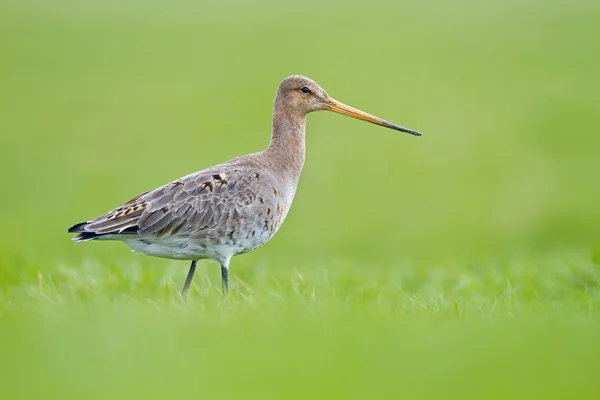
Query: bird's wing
[[186, 206]]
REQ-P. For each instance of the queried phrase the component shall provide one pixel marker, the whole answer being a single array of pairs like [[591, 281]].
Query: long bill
[[341, 108]]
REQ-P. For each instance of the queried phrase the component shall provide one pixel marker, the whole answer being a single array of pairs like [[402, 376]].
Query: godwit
[[232, 208]]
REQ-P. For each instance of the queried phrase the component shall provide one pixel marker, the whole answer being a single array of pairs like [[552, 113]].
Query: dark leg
[[190, 276], [224, 280], [224, 275]]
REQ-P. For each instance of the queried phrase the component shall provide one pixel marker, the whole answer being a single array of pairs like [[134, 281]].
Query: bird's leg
[[224, 275], [190, 276], [224, 280]]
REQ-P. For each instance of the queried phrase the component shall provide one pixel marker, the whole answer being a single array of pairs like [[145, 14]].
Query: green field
[[461, 264]]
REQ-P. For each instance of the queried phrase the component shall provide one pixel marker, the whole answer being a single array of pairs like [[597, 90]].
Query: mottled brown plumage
[[229, 209]]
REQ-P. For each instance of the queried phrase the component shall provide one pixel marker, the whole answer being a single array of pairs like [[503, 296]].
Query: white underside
[[185, 248], [178, 248]]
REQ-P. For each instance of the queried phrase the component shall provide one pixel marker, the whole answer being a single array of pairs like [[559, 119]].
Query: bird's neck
[[287, 147]]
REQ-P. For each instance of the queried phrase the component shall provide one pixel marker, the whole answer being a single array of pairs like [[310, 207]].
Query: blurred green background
[[463, 263]]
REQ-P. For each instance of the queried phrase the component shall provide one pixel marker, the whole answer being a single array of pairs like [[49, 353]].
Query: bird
[[231, 208]]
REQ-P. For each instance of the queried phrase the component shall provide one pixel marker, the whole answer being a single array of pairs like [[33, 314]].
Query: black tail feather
[[77, 228], [85, 235]]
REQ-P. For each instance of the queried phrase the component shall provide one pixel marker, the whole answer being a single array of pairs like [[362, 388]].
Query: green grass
[[462, 264]]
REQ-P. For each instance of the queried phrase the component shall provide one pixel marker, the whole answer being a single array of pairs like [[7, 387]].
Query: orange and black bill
[[341, 108]]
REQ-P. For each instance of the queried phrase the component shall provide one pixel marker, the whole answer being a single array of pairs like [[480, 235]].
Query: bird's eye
[[305, 90]]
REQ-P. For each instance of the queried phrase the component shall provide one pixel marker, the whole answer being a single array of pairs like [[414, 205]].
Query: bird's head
[[301, 95]]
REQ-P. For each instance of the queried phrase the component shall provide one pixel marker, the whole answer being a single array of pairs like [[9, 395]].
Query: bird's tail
[[83, 234], [90, 231]]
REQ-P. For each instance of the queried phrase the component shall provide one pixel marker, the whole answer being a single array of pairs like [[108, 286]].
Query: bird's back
[[232, 208]]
